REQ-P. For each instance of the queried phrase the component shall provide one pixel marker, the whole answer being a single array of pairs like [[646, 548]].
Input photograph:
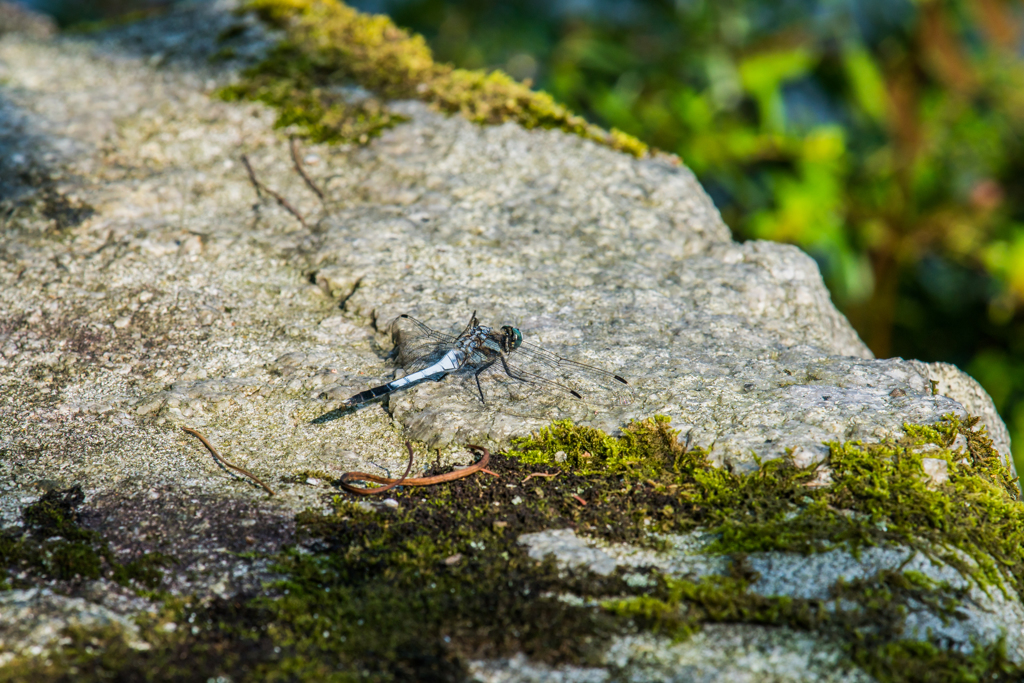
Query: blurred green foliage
[[884, 137]]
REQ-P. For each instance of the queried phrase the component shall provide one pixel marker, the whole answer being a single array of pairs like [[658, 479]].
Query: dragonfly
[[428, 355]]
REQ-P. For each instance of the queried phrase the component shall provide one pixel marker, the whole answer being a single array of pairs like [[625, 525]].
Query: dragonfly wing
[[409, 325], [418, 345], [593, 385]]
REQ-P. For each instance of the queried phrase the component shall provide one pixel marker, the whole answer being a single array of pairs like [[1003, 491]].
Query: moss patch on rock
[[63, 211], [417, 588], [865, 618], [328, 45], [52, 545], [875, 494]]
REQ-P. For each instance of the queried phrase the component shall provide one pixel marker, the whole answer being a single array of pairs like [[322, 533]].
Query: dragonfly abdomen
[[450, 362], [369, 395]]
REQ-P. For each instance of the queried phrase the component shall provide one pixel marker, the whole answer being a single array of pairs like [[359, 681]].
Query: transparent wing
[[588, 383], [418, 345], [414, 329]]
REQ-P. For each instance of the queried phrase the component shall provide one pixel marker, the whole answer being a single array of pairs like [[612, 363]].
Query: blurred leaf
[[996, 371], [809, 206], [1005, 258], [853, 276], [763, 75], [825, 145], [723, 78], [866, 82]]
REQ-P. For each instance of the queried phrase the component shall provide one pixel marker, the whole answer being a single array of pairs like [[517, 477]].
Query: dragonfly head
[[512, 338]]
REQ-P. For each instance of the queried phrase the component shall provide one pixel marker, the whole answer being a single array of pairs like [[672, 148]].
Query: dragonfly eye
[[513, 335]]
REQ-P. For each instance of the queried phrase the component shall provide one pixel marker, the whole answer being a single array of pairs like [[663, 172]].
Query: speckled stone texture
[[985, 615], [145, 287]]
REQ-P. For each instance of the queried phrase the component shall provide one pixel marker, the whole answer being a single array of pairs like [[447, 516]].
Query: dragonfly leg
[[477, 376], [471, 325], [508, 370]]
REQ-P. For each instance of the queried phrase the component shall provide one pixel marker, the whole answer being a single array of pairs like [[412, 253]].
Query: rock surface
[[144, 287], [985, 615]]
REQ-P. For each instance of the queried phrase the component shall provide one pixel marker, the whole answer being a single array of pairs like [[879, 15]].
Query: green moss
[[329, 44], [410, 593], [288, 81], [416, 591], [646, 449], [866, 619], [208, 641], [52, 545], [680, 607], [878, 495]]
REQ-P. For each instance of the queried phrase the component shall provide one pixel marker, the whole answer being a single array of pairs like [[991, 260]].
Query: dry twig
[[280, 200], [252, 177], [302, 172], [361, 476], [346, 479], [217, 456]]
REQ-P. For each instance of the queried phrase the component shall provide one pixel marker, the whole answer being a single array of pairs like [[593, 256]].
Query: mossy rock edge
[[328, 45], [440, 580]]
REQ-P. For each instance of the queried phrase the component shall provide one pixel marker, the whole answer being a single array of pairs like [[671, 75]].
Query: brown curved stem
[[346, 479], [217, 456]]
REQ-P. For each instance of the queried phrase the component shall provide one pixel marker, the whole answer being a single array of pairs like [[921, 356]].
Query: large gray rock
[[143, 287]]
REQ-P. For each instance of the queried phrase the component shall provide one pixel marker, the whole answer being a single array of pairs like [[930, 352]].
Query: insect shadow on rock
[[426, 354]]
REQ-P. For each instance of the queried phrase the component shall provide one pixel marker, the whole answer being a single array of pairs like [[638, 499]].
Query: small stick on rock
[[217, 456], [302, 172], [280, 200], [346, 479], [252, 177], [380, 489]]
